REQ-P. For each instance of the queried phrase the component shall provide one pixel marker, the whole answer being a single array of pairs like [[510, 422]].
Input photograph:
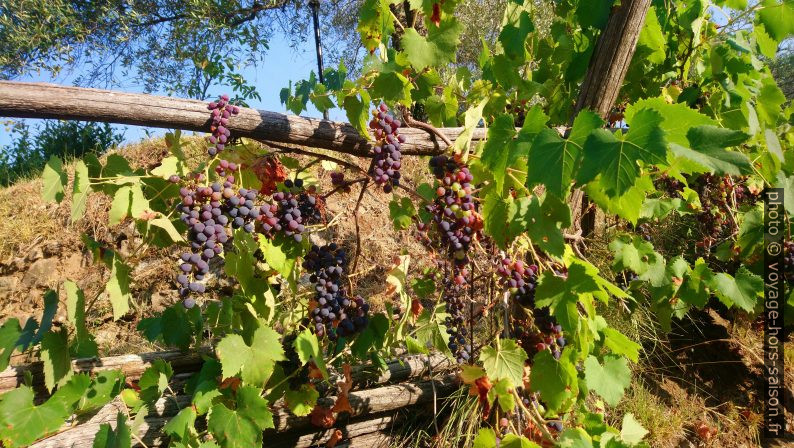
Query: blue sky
[[282, 64]]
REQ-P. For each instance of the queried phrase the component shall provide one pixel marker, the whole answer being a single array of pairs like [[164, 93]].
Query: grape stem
[[534, 415], [424, 126], [342, 186], [355, 214]]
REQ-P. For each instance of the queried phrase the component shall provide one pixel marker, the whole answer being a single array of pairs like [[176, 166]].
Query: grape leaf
[[118, 288], [84, 345], [553, 160], [103, 388], [10, 332], [486, 438], [22, 423], [637, 255], [652, 38], [631, 431], [375, 23], [517, 441], [308, 349], [50, 308], [543, 218], [242, 427], [498, 148], [438, 48], [778, 18], [620, 344], [614, 157], [577, 438], [107, 437], [609, 380], [357, 111], [516, 26], [506, 361], [373, 336], [54, 178], [708, 143], [677, 118], [555, 380], [301, 401], [769, 101], [255, 362], [391, 86], [80, 189], [503, 391], [55, 356], [495, 213], [401, 212], [471, 119], [743, 290], [169, 166], [629, 205], [181, 426], [154, 380]]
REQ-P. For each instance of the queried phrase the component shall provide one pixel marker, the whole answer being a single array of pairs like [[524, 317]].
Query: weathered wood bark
[[604, 78], [369, 403], [40, 100], [185, 364]]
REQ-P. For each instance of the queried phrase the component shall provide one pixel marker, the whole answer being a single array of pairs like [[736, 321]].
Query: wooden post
[[602, 83]]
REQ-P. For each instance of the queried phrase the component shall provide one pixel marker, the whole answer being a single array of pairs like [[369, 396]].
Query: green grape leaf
[[631, 431], [438, 48], [778, 18], [10, 332], [577, 438], [357, 111], [80, 190], [742, 291], [555, 380], [506, 361], [231, 429], [308, 349], [708, 143], [517, 24], [181, 426], [120, 207], [22, 423], [373, 336], [54, 179], [391, 86], [118, 288], [677, 118], [769, 102], [321, 98], [627, 206], [255, 362], [543, 219], [169, 166], [401, 212], [516, 441], [594, 13], [84, 345], [204, 395], [609, 380], [486, 438], [55, 357], [252, 406], [471, 119], [766, 44], [103, 388], [495, 213], [552, 159], [498, 148], [50, 308], [502, 390], [154, 380], [108, 437], [375, 23], [620, 344], [301, 401], [652, 38], [614, 157], [638, 255]]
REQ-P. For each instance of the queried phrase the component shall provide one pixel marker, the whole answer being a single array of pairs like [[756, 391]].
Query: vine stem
[[534, 415], [358, 229], [424, 126]]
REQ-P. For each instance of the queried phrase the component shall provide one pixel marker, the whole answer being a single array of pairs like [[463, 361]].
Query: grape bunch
[[624, 279], [455, 322], [714, 193], [222, 110], [540, 333], [386, 164], [338, 180], [518, 280], [335, 314], [454, 210], [670, 185], [292, 211]]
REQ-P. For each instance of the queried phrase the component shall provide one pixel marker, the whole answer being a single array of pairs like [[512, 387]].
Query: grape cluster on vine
[[454, 210], [518, 280], [386, 163], [335, 313], [454, 298], [291, 211], [222, 110]]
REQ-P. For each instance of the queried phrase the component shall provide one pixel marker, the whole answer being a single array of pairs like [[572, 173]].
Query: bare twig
[[424, 126], [358, 233]]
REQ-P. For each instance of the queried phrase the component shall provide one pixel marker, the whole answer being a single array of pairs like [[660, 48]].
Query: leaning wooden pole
[[41, 100], [604, 78]]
